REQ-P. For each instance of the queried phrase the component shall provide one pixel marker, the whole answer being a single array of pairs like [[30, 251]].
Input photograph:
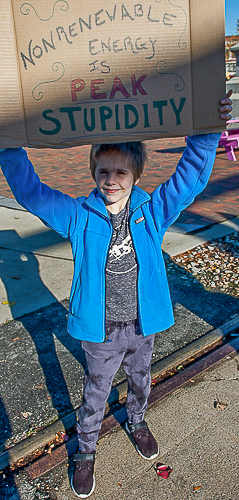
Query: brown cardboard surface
[[100, 71], [12, 123], [207, 47]]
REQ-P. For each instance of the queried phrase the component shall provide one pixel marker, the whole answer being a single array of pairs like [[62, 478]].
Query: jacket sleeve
[[189, 179], [55, 209]]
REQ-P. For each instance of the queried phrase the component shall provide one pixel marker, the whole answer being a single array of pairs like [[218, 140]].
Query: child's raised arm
[[55, 209], [191, 175]]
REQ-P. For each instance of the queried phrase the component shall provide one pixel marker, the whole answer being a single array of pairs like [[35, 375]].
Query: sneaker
[[145, 443], [83, 481]]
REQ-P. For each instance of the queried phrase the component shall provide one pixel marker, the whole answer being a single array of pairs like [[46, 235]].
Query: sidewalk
[[42, 367], [199, 441]]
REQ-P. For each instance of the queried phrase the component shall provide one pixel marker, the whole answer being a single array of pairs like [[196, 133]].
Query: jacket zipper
[[138, 288], [111, 228], [106, 254]]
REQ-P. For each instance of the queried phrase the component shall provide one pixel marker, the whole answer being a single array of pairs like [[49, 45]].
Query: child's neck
[[115, 208]]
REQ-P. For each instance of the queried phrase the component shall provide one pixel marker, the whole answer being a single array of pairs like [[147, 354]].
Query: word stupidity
[[113, 118]]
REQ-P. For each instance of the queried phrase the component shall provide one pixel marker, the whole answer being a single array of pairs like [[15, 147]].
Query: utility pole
[[237, 24]]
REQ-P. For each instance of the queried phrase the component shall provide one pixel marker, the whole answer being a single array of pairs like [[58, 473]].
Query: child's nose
[[110, 179]]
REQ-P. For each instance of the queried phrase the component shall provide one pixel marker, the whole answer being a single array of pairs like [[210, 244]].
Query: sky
[[232, 14]]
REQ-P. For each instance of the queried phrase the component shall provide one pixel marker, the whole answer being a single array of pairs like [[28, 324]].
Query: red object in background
[[163, 470]]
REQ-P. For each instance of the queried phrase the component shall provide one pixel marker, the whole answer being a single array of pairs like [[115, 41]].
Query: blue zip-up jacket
[[85, 223]]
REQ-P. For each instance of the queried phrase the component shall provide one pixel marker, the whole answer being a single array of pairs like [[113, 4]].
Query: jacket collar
[[137, 198]]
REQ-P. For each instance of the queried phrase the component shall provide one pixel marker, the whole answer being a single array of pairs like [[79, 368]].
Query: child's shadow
[[197, 309], [8, 487], [21, 278]]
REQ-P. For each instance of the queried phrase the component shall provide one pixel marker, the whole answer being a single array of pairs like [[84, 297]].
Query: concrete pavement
[[36, 263], [42, 368], [197, 439]]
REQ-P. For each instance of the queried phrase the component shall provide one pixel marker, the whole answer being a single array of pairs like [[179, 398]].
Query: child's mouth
[[111, 191]]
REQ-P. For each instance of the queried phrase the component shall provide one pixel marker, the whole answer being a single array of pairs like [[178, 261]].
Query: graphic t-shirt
[[121, 271]]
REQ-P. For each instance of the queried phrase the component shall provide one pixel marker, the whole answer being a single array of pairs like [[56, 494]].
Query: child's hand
[[226, 107]]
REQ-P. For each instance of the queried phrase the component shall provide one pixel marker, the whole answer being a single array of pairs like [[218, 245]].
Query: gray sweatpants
[[126, 345]]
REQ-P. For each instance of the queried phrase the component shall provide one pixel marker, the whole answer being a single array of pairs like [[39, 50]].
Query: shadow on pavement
[[213, 307], [45, 326], [219, 186], [41, 330], [171, 150], [8, 488]]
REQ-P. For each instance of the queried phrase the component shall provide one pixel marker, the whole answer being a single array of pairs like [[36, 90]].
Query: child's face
[[114, 179]]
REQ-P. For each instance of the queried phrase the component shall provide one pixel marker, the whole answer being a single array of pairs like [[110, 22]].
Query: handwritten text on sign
[[115, 69]]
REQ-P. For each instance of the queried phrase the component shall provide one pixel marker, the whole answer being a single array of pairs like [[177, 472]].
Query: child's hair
[[136, 152]]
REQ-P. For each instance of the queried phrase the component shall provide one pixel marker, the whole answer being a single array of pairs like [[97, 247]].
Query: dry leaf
[[180, 367], [26, 414], [195, 488], [64, 436], [59, 437], [220, 404]]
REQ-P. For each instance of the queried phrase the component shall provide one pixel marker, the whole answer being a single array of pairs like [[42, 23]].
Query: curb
[[160, 370]]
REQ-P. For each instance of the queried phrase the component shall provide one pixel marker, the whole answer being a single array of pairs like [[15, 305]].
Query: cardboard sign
[[77, 72]]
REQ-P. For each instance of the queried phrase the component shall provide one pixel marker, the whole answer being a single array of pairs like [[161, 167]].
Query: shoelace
[[84, 464], [144, 431]]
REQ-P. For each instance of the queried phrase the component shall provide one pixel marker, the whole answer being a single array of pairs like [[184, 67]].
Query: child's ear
[[137, 181]]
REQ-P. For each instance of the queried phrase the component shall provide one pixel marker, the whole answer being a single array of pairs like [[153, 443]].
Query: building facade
[[230, 41]]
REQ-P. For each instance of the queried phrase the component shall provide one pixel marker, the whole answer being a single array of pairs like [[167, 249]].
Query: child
[[120, 296]]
